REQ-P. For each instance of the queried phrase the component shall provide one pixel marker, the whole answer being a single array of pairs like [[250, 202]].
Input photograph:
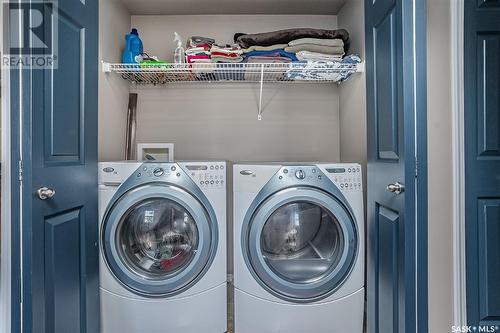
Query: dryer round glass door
[[301, 244], [158, 239]]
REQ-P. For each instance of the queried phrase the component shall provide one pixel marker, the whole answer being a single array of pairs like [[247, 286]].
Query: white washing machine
[[163, 247], [298, 248]]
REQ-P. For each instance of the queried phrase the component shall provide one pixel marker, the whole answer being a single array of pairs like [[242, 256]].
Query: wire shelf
[[299, 72]]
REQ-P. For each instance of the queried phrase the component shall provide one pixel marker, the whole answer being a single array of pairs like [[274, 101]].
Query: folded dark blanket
[[286, 36]]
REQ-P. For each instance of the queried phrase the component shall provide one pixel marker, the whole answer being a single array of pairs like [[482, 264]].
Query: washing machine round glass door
[[158, 239], [301, 244]]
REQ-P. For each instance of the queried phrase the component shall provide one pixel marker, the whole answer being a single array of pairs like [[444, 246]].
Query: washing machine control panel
[[305, 173], [208, 175], [346, 178], [153, 170]]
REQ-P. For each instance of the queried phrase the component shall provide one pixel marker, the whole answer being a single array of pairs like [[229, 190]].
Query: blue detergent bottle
[[133, 47]]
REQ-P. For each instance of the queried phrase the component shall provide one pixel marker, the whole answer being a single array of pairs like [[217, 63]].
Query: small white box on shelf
[[161, 152]]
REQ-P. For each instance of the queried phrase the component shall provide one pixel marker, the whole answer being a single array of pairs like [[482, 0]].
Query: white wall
[[439, 122], [353, 92], [352, 98], [300, 122], [114, 23]]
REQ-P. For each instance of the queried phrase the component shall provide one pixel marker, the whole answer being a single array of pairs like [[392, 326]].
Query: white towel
[[308, 55], [317, 41]]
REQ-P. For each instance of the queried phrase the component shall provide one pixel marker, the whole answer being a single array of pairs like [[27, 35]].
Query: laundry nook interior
[[261, 119], [311, 121]]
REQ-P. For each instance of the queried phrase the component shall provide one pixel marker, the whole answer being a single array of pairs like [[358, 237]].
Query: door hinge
[[20, 164]]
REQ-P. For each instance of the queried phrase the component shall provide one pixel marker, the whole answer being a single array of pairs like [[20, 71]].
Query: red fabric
[[224, 54], [190, 58]]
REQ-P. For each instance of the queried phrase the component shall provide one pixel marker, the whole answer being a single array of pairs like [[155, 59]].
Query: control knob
[[158, 172], [300, 174]]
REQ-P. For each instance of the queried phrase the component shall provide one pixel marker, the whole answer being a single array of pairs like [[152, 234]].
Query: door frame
[[5, 241], [418, 34], [458, 172], [11, 273]]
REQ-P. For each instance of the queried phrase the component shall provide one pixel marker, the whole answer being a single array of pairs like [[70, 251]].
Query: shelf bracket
[[106, 67], [361, 67], [259, 115]]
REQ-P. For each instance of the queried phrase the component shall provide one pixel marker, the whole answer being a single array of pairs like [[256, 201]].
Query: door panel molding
[[65, 144], [488, 133], [390, 233], [457, 92], [489, 258], [62, 271], [488, 3], [386, 105]]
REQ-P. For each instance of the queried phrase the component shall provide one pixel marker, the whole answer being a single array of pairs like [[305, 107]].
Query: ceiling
[[203, 7]]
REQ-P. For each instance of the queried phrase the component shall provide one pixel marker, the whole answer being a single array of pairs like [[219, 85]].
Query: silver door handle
[[396, 188], [45, 193]]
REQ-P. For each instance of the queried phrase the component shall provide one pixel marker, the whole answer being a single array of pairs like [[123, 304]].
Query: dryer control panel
[[347, 178], [208, 174]]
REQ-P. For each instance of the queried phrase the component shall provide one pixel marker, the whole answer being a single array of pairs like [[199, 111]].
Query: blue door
[[396, 204], [59, 174], [482, 161]]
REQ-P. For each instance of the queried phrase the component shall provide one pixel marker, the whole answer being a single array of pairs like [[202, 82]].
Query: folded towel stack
[[226, 53], [317, 49], [294, 44], [198, 49], [195, 41], [288, 35], [283, 46]]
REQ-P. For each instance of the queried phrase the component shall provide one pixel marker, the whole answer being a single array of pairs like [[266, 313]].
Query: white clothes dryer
[[298, 248], [163, 247]]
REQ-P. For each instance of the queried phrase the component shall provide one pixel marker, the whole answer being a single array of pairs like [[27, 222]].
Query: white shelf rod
[[259, 115]]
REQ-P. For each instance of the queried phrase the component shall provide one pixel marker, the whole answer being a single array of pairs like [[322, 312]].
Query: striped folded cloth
[[308, 55], [223, 58], [195, 41], [265, 48], [227, 49], [267, 60], [191, 59], [317, 41], [336, 50]]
